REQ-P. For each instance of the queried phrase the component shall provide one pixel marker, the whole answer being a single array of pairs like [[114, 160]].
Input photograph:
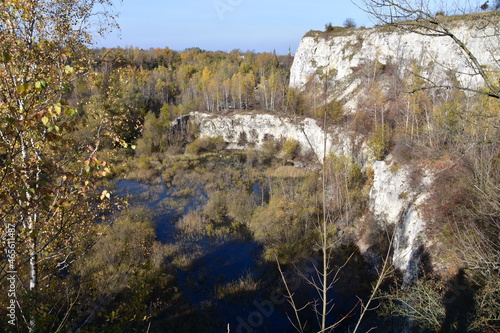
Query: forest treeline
[[169, 83]]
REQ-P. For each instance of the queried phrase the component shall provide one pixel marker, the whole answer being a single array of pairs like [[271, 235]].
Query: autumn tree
[[45, 176]]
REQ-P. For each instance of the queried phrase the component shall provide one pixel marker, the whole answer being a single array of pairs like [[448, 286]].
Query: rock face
[[438, 56], [239, 130], [393, 201]]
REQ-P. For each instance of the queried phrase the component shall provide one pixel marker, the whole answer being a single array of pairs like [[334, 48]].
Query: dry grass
[[287, 171], [183, 254], [191, 223], [238, 289]]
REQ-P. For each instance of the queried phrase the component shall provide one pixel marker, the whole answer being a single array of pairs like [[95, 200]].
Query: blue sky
[[255, 25]]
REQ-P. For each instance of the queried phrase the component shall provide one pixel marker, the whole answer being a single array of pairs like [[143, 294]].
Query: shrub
[[240, 206], [290, 149], [403, 151], [363, 122], [205, 145], [420, 301], [380, 141], [252, 158], [191, 223], [122, 258], [144, 147], [268, 151], [239, 289], [349, 23], [242, 139], [142, 170], [282, 225], [334, 111]]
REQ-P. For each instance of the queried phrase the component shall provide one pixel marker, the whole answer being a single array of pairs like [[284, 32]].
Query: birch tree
[[44, 175]]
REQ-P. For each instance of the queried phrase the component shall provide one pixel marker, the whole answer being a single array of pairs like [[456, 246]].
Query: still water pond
[[219, 264]]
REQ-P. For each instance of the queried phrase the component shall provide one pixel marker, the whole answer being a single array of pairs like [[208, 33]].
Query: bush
[[243, 288], [191, 223], [349, 23], [290, 149], [141, 169], [242, 139], [329, 27], [268, 151], [205, 145], [380, 141], [332, 30], [403, 151], [334, 111], [241, 206], [420, 301], [126, 263]]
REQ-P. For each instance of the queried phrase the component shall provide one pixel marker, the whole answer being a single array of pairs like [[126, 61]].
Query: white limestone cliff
[[438, 55], [395, 201], [258, 127]]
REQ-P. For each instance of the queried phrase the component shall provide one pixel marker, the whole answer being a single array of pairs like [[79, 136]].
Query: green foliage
[[349, 198], [121, 253], [346, 167], [152, 135], [215, 212], [380, 141], [447, 119], [146, 80], [290, 149], [333, 111], [128, 264], [268, 151], [285, 225], [48, 178], [132, 96], [205, 145], [282, 227], [329, 27], [241, 204]]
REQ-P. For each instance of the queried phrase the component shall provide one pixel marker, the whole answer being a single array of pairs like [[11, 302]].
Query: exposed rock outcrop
[[396, 200], [240, 130], [439, 57]]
